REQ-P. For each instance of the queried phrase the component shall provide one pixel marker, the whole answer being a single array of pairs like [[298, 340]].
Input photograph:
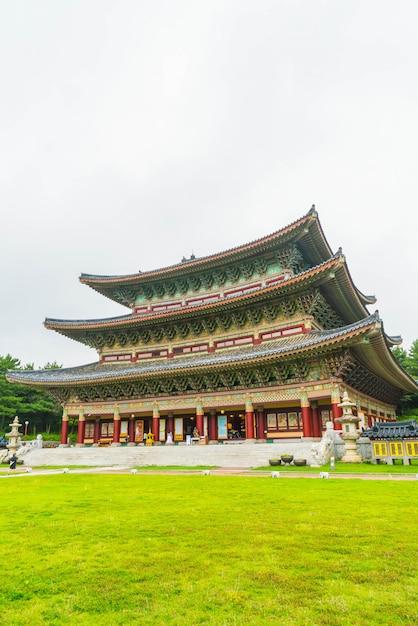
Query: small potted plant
[[287, 458], [300, 462], [275, 461]]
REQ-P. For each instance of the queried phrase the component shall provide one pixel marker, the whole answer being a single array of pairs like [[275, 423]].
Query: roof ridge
[[311, 214], [130, 316]]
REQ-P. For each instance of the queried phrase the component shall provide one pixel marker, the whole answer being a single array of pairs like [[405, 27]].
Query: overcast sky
[[133, 133]]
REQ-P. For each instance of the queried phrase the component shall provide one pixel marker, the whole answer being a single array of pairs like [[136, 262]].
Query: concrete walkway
[[219, 471]]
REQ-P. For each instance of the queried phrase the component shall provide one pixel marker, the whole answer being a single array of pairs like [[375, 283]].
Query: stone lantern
[[13, 437], [349, 433]]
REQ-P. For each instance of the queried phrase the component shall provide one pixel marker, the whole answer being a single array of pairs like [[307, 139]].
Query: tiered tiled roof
[[366, 338], [332, 275]]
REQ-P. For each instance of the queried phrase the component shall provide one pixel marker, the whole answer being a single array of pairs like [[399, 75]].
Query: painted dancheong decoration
[[255, 343]]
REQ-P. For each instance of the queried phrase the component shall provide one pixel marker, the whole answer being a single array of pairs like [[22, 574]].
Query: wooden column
[[199, 418], [249, 419], [96, 435], [116, 426], [336, 410], [369, 416], [81, 428], [306, 415], [260, 423], [213, 426], [156, 422], [170, 424], [316, 426], [306, 420], [131, 429], [64, 428]]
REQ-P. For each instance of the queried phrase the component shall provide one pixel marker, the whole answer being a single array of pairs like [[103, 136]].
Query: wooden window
[[106, 429], [396, 448], [271, 421], [290, 420], [411, 448], [281, 421], [325, 417], [89, 430], [380, 448]]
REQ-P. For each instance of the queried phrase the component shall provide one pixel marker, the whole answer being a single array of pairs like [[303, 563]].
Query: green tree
[[412, 360], [409, 361], [400, 355], [33, 405]]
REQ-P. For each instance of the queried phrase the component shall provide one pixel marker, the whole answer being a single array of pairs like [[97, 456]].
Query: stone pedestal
[[13, 437], [349, 432]]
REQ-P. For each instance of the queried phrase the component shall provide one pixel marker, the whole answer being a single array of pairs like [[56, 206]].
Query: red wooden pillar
[[316, 425], [249, 419], [156, 422], [116, 426], [199, 418], [81, 428], [306, 414], [260, 424], [131, 429], [170, 424], [336, 413], [64, 428], [368, 417], [96, 434], [306, 419], [213, 426]]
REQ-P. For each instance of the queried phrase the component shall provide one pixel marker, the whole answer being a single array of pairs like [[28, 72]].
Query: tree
[[408, 406], [412, 360], [33, 405], [400, 355]]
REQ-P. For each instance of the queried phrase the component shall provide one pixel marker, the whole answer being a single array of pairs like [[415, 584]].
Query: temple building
[[257, 343]]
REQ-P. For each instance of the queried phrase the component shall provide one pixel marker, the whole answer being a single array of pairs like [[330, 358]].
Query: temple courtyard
[[110, 546]]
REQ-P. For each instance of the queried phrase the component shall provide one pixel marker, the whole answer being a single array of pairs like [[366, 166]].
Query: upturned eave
[[307, 231], [365, 338], [332, 277]]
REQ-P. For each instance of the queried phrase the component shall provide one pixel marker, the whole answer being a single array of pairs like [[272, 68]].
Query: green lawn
[[348, 468], [191, 549]]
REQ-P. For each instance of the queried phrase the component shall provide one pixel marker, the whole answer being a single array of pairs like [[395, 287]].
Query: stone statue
[[323, 450]]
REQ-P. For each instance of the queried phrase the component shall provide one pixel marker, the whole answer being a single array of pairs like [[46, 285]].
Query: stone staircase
[[239, 455]]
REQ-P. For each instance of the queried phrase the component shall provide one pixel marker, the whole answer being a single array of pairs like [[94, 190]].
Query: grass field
[[220, 550], [349, 468]]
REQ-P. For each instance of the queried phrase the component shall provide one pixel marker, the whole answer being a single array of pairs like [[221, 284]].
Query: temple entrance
[[236, 425], [183, 427], [142, 427], [189, 423]]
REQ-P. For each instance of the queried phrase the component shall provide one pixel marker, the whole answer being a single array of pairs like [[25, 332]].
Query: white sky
[[133, 133]]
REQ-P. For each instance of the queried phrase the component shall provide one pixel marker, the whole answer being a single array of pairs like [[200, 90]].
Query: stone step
[[243, 455]]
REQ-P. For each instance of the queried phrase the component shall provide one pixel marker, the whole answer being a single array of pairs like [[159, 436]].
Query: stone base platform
[[240, 456]]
